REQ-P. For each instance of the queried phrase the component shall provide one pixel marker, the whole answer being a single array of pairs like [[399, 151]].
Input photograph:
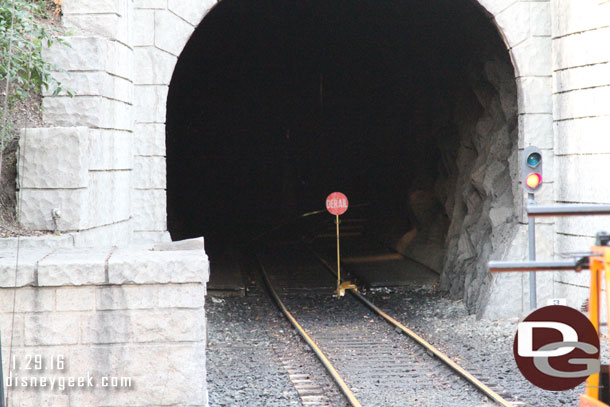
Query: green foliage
[[22, 38]]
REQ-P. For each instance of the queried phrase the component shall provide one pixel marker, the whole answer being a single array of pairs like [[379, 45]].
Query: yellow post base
[[346, 285]]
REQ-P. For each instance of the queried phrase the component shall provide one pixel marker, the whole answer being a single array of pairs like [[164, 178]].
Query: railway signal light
[[531, 169]]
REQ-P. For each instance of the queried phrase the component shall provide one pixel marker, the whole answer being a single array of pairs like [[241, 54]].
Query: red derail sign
[[336, 203]]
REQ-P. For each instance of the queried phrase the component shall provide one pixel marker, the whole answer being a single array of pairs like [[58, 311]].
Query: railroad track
[[374, 359]]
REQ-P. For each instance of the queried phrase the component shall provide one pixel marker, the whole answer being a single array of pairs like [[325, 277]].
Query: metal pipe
[[531, 231], [338, 258], [558, 265], [2, 399], [536, 211]]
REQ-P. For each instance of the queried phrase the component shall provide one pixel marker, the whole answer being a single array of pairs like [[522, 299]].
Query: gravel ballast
[[248, 339]]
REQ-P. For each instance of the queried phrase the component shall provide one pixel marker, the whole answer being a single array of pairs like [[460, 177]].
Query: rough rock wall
[[478, 190]]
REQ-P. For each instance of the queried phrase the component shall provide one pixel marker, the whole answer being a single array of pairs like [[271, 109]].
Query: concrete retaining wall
[[581, 105], [130, 313]]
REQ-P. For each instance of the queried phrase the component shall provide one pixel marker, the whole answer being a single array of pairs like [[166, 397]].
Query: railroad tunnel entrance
[[408, 106]]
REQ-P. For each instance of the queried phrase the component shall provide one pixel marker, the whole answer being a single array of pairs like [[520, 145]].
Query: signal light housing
[[531, 169]]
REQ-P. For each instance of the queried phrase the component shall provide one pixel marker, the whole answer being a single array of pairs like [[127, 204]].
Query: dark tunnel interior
[[276, 103]]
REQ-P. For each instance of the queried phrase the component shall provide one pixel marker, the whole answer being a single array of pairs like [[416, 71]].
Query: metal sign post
[[531, 231], [337, 204], [531, 181], [2, 399], [338, 255]]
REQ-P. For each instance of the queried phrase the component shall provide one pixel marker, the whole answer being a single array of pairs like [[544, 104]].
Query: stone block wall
[[136, 315], [96, 124], [581, 101], [161, 29], [84, 173], [119, 65], [65, 186]]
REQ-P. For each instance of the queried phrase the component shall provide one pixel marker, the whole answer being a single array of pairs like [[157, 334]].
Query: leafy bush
[[23, 71], [22, 38]]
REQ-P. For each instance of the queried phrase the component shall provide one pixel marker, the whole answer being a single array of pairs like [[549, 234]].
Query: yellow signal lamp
[[533, 180]]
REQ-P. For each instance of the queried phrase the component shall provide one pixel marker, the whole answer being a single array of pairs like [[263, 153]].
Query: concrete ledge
[[73, 267], [145, 267], [187, 244], [151, 333], [146, 237], [36, 242], [115, 234], [26, 267], [176, 262]]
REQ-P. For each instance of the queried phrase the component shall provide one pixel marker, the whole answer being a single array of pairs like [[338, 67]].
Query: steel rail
[[551, 265], [536, 211], [327, 364], [444, 358]]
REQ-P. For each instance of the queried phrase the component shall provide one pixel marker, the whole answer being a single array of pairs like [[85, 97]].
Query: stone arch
[[122, 58], [524, 27], [162, 34], [531, 74]]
